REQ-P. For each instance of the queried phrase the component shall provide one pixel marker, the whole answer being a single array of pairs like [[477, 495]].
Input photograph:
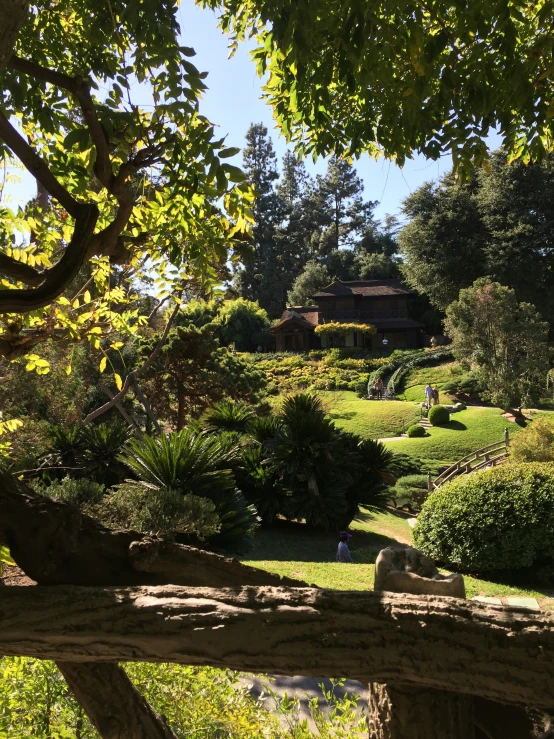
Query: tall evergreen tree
[[260, 278]]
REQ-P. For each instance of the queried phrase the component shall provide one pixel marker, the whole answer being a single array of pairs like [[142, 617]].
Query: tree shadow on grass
[[455, 426], [289, 541]]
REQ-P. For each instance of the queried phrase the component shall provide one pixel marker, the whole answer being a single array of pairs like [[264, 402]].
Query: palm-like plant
[[100, 447], [193, 462], [228, 416], [260, 485]]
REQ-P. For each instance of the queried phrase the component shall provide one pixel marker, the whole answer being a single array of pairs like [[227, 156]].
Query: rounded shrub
[[496, 520], [438, 415], [416, 431]]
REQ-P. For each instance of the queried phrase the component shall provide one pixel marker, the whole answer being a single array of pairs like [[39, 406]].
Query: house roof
[[306, 317], [364, 287]]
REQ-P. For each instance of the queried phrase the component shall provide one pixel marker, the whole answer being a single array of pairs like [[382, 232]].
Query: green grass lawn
[[414, 384], [373, 419], [292, 550], [467, 431]]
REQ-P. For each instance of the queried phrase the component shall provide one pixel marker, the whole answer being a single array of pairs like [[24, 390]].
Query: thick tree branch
[[36, 165], [80, 88], [19, 271], [58, 277], [135, 373], [12, 16], [441, 643]]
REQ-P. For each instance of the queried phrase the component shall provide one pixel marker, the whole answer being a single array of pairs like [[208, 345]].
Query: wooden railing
[[487, 456]]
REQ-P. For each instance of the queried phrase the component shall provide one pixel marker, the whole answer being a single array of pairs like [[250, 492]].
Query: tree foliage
[[499, 224], [124, 185], [398, 79], [505, 340]]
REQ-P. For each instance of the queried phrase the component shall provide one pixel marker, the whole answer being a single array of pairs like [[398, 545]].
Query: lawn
[[373, 419], [467, 431], [419, 377], [292, 550]]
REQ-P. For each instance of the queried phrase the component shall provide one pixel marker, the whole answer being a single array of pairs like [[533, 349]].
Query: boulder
[[407, 570]]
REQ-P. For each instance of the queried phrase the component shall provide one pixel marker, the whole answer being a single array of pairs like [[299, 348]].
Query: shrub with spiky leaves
[[228, 416], [193, 462]]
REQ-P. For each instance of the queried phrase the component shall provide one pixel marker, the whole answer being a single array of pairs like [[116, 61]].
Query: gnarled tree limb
[[427, 641]]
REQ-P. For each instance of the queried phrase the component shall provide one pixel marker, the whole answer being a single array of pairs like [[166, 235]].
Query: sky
[[233, 101]]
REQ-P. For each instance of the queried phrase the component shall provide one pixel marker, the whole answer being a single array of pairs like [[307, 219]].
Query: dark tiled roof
[[307, 317], [364, 287]]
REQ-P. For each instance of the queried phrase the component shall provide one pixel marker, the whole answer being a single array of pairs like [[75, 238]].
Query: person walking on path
[[343, 552], [436, 395], [428, 396], [379, 388]]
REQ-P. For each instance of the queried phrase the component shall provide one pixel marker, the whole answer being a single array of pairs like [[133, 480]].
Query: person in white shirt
[[343, 552]]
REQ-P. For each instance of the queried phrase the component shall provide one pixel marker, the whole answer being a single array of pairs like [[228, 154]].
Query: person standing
[[436, 395], [428, 395], [343, 552], [379, 388]]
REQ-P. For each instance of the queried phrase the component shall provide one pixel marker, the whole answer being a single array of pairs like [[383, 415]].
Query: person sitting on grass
[[343, 552]]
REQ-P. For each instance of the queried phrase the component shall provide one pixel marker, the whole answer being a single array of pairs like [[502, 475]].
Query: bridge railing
[[487, 456]]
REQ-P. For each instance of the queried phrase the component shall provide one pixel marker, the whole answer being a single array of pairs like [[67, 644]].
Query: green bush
[[77, 492], [535, 443], [495, 520], [416, 431], [438, 415], [449, 387], [410, 491]]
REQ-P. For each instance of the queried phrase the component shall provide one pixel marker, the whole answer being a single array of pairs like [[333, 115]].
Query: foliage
[[191, 462], [494, 520], [498, 225], [90, 451], [148, 187], [197, 703], [415, 431], [78, 492], [343, 329], [438, 415], [504, 339], [228, 416], [313, 277], [535, 443], [163, 511], [389, 93], [411, 491], [193, 371], [241, 323]]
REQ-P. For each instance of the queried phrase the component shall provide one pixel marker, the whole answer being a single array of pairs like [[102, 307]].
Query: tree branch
[[58, 277], [36, 165], [441, 643], [12, 16], [135, 373], [80, 88], [19, 271]]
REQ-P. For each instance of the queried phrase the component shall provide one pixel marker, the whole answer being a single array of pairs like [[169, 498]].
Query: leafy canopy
[[136, 192], [397, 79]]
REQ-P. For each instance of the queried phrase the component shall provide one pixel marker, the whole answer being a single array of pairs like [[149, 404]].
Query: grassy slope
[[467, 431], [368, 418], [415, 382], [294, 551]]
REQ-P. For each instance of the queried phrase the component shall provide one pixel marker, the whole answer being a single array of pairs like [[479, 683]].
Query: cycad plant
[[228, 415], [193, 462]]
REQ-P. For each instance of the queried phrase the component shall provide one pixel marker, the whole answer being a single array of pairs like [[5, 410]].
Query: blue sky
[[232, 102]]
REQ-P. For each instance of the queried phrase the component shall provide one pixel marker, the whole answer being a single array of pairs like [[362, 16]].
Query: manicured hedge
[[416, 431], [496, 520], [438, 415]]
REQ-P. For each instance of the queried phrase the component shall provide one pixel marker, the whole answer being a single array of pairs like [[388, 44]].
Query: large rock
[[407, 570]]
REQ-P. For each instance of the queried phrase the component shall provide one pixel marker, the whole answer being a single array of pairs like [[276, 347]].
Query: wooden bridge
[[487, 456]]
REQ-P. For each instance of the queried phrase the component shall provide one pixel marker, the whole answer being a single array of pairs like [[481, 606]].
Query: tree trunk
[[12, 16], [404, 712], [113, 704], [441, 643], [181, 407]]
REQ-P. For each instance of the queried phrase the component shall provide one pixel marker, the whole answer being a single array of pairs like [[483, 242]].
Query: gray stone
[[407, 570], [530, 603], [487, 599]]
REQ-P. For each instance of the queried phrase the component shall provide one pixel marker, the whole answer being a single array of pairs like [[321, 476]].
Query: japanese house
[[384, 304]]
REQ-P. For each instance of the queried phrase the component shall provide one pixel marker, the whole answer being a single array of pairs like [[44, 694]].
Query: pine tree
[[259, 280]]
